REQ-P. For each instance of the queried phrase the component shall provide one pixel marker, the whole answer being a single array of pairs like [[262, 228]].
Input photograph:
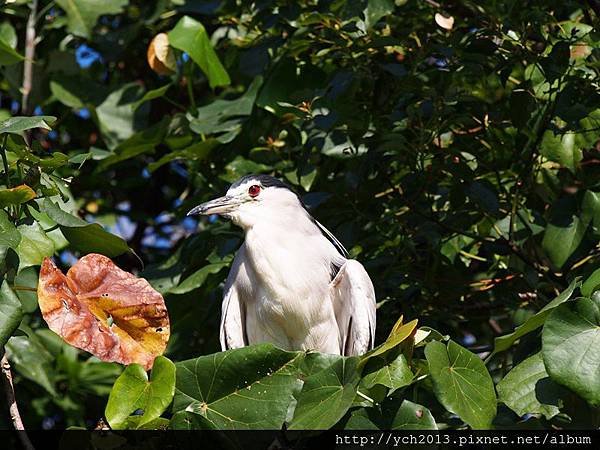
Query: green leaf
[[537, 320], [83, 236], [224, 118], [32, 361], [195, 152], [25, 286], [326, 395], [561, 149], [9, 55], [18, 124], [376, 9], [118, 118], [190, 36], [198, 278], [394, 375], [141, 142], [570, 343], [564, 233], [527, 389], [9, 236], [16, 195], [590, 209], [8, 35], [11, 313], [34, 245], [412, 416], [246, 388], [462, 383], [591, 284], [76, 91], [151, 95], [133, 391], [82, 15], [399, 334]]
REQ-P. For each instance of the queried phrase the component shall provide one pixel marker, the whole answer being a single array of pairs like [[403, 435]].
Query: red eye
[[254, 190]]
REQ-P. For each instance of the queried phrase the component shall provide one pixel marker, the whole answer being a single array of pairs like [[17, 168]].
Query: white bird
[[290, 283]]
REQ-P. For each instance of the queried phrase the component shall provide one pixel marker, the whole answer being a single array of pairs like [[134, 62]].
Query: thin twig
[[13, 408]]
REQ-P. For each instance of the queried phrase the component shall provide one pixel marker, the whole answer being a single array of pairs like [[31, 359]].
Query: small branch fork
[[13, 408]]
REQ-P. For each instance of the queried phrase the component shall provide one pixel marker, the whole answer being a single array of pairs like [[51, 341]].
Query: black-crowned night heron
[[290, 283]]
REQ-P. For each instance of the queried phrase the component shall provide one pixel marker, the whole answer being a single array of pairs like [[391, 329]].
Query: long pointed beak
[[221, 205]]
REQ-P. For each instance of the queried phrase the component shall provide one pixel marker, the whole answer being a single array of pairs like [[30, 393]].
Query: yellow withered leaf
[[104, 310]]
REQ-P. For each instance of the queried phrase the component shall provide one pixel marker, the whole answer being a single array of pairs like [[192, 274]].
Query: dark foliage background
[[460, 165]]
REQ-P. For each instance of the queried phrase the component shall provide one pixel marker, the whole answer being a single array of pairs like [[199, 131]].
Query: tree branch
[[30, 42], [13, 408]]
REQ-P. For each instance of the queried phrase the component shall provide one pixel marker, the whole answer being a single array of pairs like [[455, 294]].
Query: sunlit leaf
[[462, 383], [11, 313], [190, 36], [104, 310], [18, 124], [16, 195], [134, 391], [570, 343]]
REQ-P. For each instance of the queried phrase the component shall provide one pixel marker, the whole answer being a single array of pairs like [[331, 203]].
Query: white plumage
[[290, 283]]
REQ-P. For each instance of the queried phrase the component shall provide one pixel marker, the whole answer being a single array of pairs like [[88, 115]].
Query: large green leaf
[[133, 391], [18, 124], [82, 15], [537, 320], [394, 375], [570, 347], [16, 195], [247, 388], [195, 152], [591, 284], [190, 36], [11, 313], [35, 245], [462, 383], [32, 361], [395, 413], [527, 389], [83, 236], [327, 395], [561, 149]]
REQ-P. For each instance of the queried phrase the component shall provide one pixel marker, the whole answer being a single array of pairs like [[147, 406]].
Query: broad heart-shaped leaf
[[327, 394], [537, 320], [35, 245], [18, 124], [133, 391], [16, 195], [104, 310], [246, 388], [82, 15], [83, 236], [9, 236], [190, 36], [527, 389], [10, 313], [571, 347], [462, 383], [393, 375]]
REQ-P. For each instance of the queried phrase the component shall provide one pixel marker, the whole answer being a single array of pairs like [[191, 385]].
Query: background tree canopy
[[453, 147]]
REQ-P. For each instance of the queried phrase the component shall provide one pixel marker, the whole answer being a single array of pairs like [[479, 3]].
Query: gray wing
[[233, 315], [354, 304]]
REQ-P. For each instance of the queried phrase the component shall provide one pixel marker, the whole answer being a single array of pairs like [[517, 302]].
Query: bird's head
[[252, 199]]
